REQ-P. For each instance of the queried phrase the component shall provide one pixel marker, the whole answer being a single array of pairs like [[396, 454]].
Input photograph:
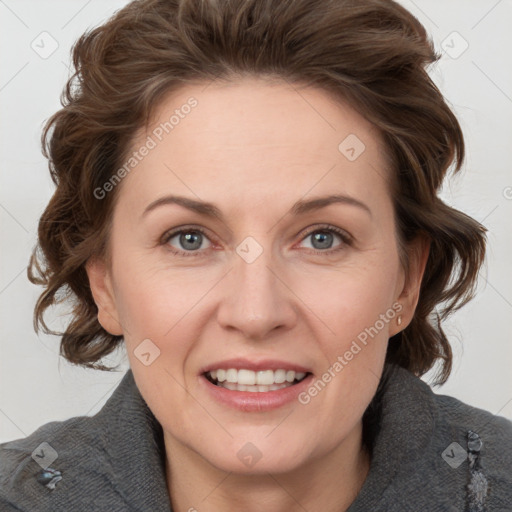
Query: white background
[[37, 386]]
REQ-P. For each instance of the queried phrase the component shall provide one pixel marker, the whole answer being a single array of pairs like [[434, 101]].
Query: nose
[[256, 299]]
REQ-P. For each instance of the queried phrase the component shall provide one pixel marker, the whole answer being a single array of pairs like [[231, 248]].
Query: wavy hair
[[373, 54]]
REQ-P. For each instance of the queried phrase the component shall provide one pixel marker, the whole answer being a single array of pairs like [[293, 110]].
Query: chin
[[256, 458]]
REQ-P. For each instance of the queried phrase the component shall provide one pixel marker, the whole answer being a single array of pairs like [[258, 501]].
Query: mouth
[[260, 381]]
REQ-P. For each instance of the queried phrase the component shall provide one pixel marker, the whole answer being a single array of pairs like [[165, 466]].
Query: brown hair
[[373, 54]]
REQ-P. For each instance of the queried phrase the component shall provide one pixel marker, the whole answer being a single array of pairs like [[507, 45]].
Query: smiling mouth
[[257, 382]]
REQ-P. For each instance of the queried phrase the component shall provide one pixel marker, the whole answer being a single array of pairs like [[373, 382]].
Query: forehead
[[258, 140]]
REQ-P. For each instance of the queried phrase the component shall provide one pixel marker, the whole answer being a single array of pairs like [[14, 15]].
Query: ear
[[100, 282], [418, 251]]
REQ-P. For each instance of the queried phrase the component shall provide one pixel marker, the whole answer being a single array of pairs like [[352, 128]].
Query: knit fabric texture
[[430, 453]]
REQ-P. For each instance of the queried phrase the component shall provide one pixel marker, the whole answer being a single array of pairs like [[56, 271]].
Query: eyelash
[[345, 238]]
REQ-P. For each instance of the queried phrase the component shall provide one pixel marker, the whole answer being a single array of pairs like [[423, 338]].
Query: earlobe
[[102, 291]]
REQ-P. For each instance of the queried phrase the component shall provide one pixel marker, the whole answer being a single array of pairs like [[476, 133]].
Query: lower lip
[[259, 401]]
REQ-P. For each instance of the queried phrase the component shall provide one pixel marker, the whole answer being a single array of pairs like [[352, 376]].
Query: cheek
[[358, 307], [359, 312], [353, 299], [150, 300]]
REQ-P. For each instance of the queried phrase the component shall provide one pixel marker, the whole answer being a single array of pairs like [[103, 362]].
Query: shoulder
[[112, 461], [476, 443], [494, 431], [33, 466], [444, 452], [68, 465], [449, 416]]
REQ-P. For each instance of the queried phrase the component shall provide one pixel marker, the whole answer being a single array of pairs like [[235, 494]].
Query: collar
[[135, 448], [405, 413]]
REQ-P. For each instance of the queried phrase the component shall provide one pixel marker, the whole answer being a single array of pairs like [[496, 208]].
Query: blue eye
[[324, 237], [190, 240]]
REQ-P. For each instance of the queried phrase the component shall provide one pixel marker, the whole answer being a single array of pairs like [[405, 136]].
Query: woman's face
[[277, 279]]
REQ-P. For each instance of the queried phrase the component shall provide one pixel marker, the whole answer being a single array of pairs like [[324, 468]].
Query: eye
[[189, 241], [322, 238]]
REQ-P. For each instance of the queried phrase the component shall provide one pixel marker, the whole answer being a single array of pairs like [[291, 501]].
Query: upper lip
[[240, 363]]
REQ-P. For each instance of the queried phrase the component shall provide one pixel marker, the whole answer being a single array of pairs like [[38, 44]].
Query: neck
[[329, 482]]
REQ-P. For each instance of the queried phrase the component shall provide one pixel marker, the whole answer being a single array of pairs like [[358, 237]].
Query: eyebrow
[[299, 208]]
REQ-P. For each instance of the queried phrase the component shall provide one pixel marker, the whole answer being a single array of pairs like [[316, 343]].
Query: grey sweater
[[430, 453]]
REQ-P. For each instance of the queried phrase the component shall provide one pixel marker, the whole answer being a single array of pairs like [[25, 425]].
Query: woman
[[247, 198]]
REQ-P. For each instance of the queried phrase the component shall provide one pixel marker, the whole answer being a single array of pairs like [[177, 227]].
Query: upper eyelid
[[171, 233], [345, 236], [326, 227]]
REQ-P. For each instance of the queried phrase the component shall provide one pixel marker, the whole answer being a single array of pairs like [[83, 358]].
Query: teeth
[[232, 375], [255, 380], [241, 387], [247, 377], [264, 377]]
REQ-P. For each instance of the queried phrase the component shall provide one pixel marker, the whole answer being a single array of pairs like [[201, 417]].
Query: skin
[[254, 148]]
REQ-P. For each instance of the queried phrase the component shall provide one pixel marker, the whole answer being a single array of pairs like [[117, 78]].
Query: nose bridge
[[257, 301]]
